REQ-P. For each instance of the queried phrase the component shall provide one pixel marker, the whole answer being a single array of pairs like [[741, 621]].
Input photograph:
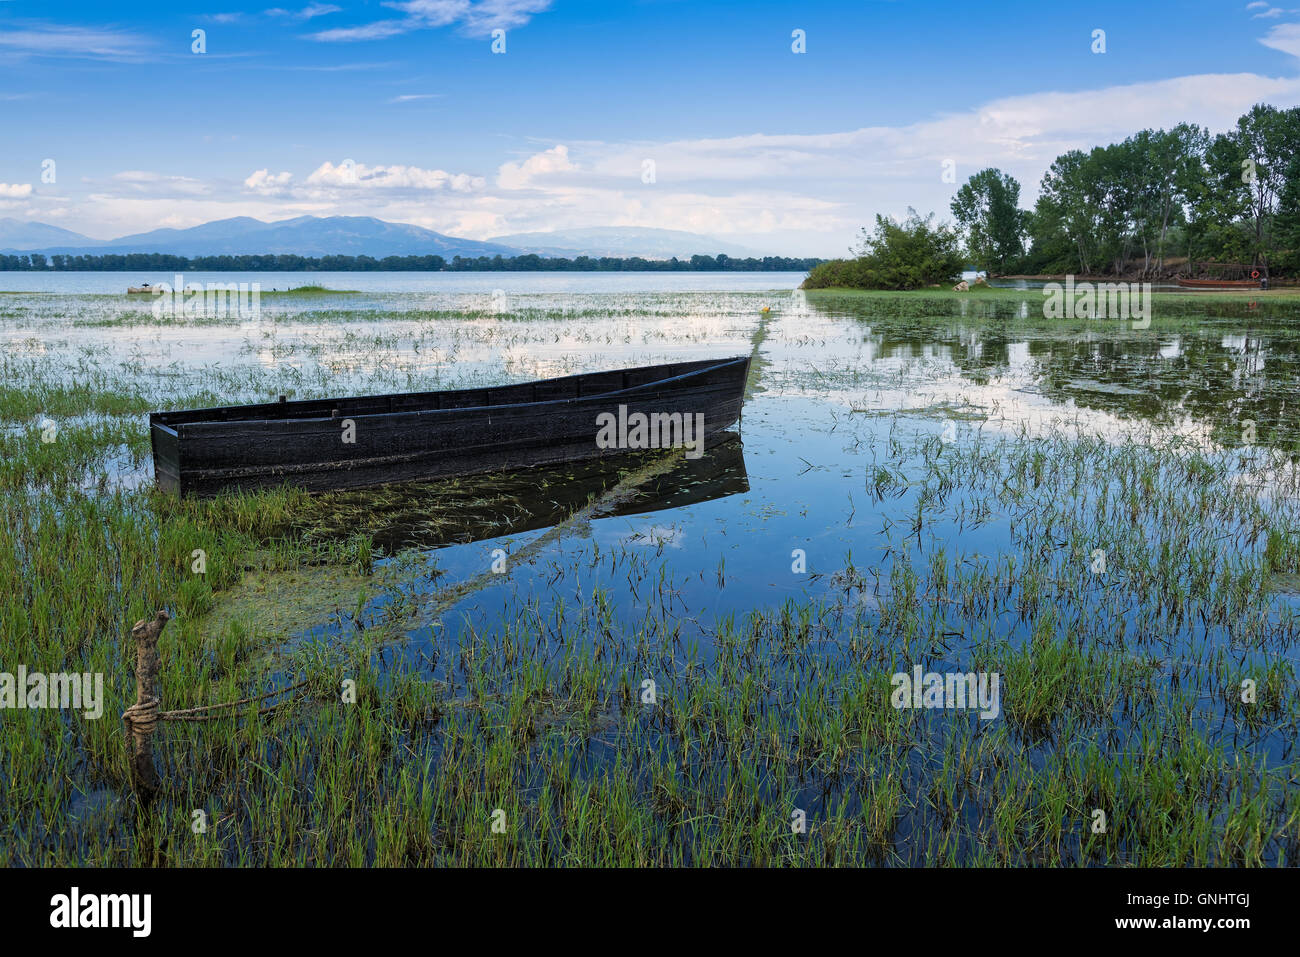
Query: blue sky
[[401, 110]]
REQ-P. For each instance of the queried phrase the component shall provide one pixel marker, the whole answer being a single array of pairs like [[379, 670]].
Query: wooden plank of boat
[[1220, 283], [355, 442]]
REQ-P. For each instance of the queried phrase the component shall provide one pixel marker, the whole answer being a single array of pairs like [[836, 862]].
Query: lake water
[[914, 482], [394, 282]]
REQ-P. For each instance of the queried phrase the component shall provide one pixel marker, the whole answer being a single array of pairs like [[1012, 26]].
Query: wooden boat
[[321, 444], [1220, 283], [146, 289]]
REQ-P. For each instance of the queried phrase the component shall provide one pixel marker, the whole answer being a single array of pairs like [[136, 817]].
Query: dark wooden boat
[[424, 435], [1220, 283]]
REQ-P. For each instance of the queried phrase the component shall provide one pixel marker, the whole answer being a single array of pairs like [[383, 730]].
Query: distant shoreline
[[161, 262]]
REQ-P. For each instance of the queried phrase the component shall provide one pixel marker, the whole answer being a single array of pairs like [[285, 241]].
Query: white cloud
[[155, 183], [264, 181], [411, 97], [34, 39], [15, 190], [1284, 37], [309, 12], [522, 175], [474, 18], [433, 13], [378, 30], [1024, 133], [488, 15], [350, 175]]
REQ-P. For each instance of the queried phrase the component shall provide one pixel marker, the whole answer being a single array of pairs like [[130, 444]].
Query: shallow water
[[878, 462], [454, 283]]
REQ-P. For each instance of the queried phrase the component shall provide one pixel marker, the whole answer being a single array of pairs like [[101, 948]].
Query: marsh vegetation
[[949, 469]]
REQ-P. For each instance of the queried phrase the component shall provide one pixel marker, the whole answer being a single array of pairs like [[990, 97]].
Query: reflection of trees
[[1217, 377], [1202, 377]]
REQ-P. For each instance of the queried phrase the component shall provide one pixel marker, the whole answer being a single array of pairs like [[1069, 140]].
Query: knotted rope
[[141, 719], [197, 714]]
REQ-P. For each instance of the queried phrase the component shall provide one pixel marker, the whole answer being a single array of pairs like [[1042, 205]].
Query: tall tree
[[1073, 192], [987, 210], [1267, 139]]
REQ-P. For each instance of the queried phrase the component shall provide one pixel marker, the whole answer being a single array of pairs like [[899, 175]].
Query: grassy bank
[[1284, 295]]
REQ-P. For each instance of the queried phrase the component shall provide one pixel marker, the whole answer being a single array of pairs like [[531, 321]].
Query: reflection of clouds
[[1007, 408], [1018, 358], [1172, 349], [924, 379]]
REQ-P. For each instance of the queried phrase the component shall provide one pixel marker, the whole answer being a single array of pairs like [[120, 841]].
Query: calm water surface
[[791, 513]]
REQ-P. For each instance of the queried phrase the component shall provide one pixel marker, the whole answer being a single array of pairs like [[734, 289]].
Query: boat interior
[[543, 390]]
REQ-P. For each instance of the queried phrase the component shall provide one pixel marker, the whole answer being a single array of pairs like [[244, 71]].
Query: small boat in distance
[[1221, 283], [322, 444], [146, 289]]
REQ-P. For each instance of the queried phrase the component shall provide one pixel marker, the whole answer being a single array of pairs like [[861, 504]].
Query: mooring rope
[[143, 717]]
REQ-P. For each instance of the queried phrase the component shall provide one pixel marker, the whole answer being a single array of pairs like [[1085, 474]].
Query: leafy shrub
[[908, 255]]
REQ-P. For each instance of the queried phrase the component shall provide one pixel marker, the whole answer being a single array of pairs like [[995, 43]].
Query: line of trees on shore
[[154, 262], [1162, 202]]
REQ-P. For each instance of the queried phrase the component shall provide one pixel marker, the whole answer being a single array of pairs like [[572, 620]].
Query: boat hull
[[374, 440]]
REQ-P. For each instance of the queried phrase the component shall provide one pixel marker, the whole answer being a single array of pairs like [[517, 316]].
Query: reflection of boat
[[425, 515], [323, 444], [1220, 283], [146, 289]]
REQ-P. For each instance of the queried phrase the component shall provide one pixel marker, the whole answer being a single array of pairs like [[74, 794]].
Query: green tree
[[1174, 164], [1267, 139], [987, 210], [1217, 205], [1286, 229], [1071, 191], [906, 255]]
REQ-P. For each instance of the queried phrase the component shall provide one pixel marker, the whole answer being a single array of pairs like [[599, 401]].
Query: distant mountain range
[[19, 236], [357, 236], [243, 235]]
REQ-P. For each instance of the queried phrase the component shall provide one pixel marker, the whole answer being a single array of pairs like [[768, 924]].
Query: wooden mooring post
[[142, 717]]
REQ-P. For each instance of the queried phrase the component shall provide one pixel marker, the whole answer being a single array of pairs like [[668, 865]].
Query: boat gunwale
[[396, 413]]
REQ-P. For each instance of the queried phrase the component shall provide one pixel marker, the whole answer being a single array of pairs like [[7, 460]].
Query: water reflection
[[435, 514], [1192, 372]]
